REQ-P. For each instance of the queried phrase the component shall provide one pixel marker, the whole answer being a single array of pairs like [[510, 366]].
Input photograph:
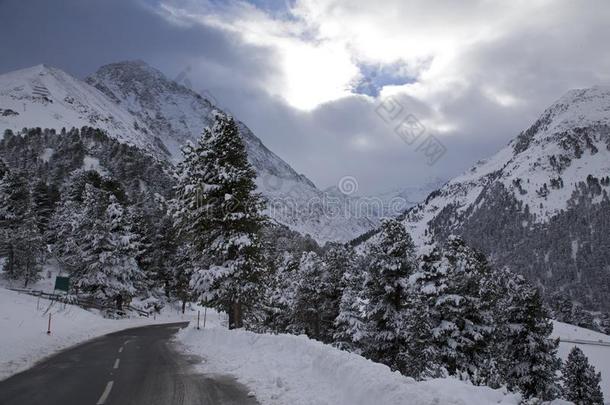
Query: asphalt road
[[132, 367]]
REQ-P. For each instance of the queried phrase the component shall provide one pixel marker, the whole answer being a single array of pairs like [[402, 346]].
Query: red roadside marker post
[[198, 313], [49, 328]]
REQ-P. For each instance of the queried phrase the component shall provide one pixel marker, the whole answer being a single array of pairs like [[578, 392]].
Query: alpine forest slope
[[539, 206], [137, 105]]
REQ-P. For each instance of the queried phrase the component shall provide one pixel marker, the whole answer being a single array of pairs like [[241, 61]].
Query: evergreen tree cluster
[[447, 312]]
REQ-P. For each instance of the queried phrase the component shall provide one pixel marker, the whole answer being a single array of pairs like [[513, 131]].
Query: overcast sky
[[322, 82]]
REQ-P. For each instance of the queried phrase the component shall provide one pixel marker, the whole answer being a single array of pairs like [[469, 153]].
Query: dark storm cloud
[[81, 35]]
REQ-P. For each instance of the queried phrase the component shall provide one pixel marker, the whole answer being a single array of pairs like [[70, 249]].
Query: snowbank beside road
[[23, 327], [286, 369]]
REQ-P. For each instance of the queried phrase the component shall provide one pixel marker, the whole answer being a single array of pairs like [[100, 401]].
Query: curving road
[[132, 367]]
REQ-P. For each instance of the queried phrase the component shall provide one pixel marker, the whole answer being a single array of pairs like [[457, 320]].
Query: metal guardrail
[[585, 342], [84, 302]]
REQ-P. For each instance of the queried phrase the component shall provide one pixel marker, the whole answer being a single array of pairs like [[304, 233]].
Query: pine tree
[[218, 211], [529, 354], [338, 260], [420, 356], [308, 298], [580, 381], [110, 250], [180, 275], [18, 223], [159, 245], [386, 287], [44, 199], [280, 294], [349, 323], [450, 284], [28, 250]]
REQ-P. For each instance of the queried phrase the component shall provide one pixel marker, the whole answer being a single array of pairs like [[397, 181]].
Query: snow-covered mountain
[[46, 97], [540, 205], [138, 105]]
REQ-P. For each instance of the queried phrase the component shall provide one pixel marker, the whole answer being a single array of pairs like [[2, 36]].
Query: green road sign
[[62, 283]]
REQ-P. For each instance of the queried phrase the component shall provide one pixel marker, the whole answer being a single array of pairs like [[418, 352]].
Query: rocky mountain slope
[[540, 205], [139, 106]]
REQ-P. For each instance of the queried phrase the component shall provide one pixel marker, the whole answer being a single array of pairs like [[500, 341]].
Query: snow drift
[[287, 369]]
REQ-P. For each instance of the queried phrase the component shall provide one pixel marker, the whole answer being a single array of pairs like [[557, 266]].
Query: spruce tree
[[280, 293], [580, 381], [450, 285], [28, 251], [420, 355], [18, 228], [219, 213], [338, 259], [110, 250], [529, 357], [308, 297], [349, 324], [386, 287]]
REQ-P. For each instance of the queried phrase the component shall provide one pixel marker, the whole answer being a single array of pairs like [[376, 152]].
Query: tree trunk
[[235, 315], [183, 306]]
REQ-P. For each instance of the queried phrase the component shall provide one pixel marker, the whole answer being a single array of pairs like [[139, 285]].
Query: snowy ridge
[[571, 141]]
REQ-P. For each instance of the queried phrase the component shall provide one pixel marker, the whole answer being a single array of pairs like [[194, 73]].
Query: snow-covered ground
[[287, 369], [23, 326], [598, 355]]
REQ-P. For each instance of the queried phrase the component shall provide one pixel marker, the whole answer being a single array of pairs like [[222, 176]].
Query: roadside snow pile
[[589, 342], [286, 369], [23, 326]]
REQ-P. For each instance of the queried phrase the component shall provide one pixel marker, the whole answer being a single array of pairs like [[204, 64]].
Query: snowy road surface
[[132, 367]]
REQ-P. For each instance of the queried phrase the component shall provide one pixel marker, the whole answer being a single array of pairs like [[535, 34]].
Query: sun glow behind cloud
[[321, 45]]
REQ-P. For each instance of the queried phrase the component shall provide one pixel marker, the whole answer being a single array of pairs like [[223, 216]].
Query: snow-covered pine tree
[[159, 245], [180, 274], [349, 324], [110, 250], [420, 356], [28, 250], [306, 316], [280, 293], [526, 352], [450, 285], [44, 199], [19, 233], [386, 287], [338, 259], [580, 381], [219, 212]]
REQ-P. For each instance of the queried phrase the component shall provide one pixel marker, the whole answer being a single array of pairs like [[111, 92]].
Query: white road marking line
[[116, 363], [105, 394], [121, 349]]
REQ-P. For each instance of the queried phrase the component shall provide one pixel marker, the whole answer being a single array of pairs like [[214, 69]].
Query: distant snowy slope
[[42, 96], [539, 206]]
